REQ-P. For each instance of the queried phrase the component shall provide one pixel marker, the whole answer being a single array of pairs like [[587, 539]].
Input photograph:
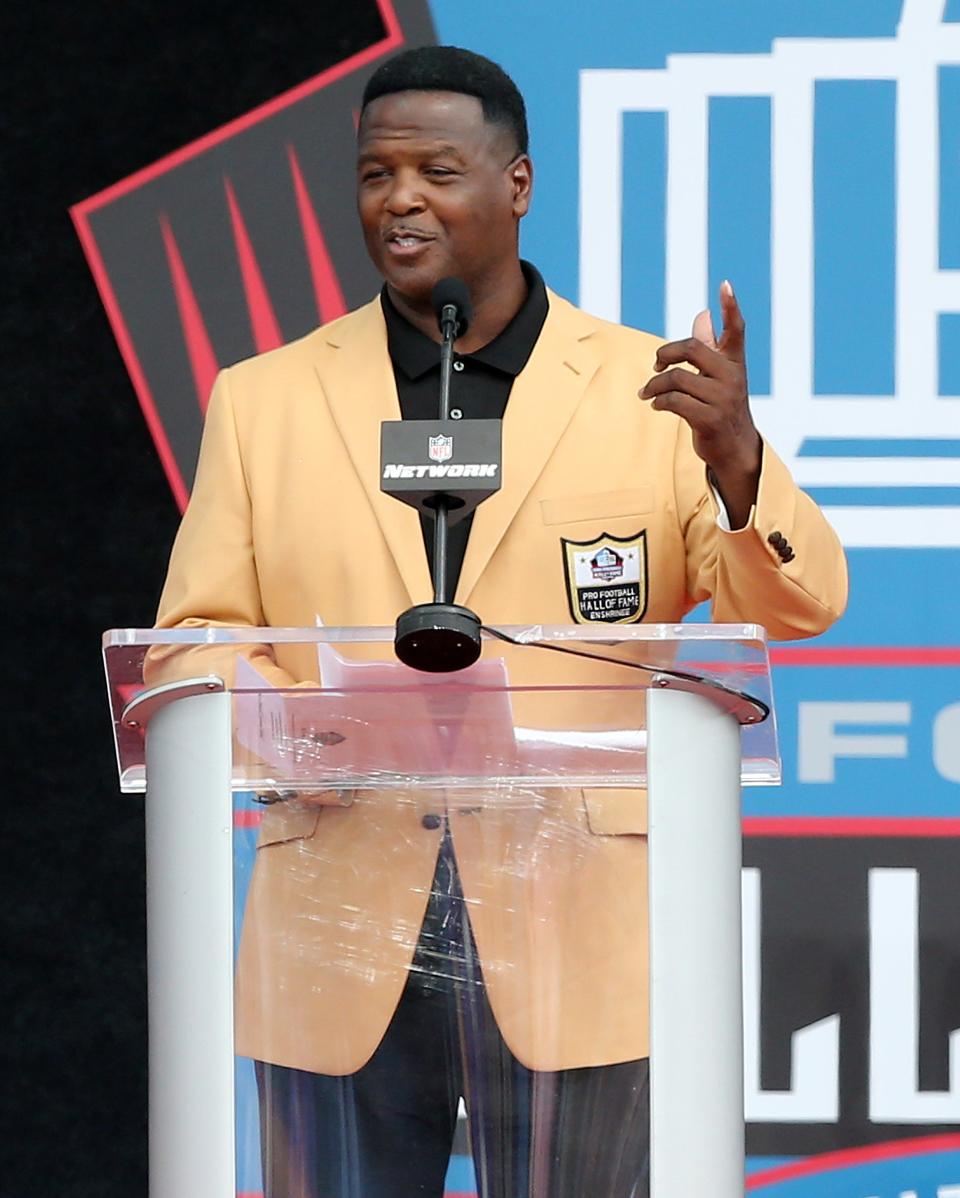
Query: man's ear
[[521, 180]]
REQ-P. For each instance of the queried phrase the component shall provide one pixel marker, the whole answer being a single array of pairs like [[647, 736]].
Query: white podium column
[[189, 817], [696, 1004]]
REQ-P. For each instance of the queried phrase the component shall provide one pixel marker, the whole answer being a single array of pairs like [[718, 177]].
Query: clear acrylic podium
[[551, 765]]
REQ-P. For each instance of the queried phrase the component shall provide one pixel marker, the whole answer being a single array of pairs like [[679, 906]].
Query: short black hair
[[451, 69]]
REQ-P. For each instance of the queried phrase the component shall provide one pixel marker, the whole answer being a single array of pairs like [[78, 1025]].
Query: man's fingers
[[702, 417], [703, 329], [703, 350], [732, 338], [700, 387], [692, 351]]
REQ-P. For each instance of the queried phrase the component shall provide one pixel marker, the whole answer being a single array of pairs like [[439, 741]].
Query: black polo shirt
[[479, 389]]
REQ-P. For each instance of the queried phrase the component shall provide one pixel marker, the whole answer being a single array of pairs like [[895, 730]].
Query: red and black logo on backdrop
[[237, 243]]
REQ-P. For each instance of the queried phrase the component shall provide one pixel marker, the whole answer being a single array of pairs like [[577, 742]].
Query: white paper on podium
[[378, 720]]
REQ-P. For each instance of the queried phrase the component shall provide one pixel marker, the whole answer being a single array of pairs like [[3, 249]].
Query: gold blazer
[[287, 522]]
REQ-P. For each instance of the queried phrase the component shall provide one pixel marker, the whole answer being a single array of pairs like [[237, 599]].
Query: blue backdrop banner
[[811, 154]]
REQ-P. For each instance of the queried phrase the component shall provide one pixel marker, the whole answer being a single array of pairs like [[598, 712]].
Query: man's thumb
[[703, 328]]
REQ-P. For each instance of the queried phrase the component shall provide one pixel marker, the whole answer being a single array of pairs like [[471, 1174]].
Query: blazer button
[[431, 821], [782, 546]]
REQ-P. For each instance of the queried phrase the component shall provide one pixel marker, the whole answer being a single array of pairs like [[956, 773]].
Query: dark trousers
[[387, 1130]]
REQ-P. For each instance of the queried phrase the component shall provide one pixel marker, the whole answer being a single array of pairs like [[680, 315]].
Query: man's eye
[[372, 176], [439, 172]]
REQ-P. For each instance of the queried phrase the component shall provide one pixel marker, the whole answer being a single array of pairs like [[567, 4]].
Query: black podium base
[[438, 637]]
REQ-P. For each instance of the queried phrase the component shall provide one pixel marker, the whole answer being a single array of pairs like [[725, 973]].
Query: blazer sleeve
[[741, 571], [212, 577]]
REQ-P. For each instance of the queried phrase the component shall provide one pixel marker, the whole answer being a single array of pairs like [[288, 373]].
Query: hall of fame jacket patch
[[606, 578]]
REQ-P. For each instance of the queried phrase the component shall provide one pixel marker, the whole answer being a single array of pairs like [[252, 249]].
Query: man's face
[[440, 192]]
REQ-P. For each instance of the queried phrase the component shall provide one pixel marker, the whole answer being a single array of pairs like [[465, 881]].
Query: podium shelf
[[317, 709]]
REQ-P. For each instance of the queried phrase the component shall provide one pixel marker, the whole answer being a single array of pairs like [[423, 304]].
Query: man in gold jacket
[[369, 999]]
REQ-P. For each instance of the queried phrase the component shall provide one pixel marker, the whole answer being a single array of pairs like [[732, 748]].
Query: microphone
[[451, 302], [461, 469]]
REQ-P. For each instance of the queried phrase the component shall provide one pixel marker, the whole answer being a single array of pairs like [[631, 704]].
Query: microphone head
[[452, 291]]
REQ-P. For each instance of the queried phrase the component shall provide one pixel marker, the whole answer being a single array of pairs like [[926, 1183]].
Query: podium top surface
[[559, 705]]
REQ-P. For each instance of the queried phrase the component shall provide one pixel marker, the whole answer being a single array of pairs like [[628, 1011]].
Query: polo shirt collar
[[415, 354]]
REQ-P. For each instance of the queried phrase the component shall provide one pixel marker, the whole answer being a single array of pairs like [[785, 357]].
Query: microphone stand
[[441, 507], [441, 636]]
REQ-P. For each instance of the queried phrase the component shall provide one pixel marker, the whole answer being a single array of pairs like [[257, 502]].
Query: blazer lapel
[[542, 402], [359, 385]]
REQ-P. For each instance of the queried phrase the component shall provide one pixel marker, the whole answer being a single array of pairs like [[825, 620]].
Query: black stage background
[[91, 93]]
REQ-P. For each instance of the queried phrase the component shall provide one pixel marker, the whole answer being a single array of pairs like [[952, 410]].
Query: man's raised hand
[[714, 402]]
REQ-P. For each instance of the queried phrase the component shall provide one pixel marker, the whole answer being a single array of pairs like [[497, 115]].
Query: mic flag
[[421, 459]]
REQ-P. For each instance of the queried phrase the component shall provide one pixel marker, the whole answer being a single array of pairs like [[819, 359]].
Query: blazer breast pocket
[[616, 810], [601, 505]]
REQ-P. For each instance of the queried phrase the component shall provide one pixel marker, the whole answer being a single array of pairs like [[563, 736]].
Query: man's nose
[[405, 195]]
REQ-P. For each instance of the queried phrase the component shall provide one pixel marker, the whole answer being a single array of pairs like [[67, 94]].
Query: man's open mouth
[[406, 238]]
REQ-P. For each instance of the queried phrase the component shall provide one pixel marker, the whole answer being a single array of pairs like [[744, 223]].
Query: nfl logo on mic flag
[[440, 448]]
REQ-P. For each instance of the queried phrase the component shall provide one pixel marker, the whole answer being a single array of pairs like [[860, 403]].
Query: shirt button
[[455, 414], [431, 821], [458, 365]]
